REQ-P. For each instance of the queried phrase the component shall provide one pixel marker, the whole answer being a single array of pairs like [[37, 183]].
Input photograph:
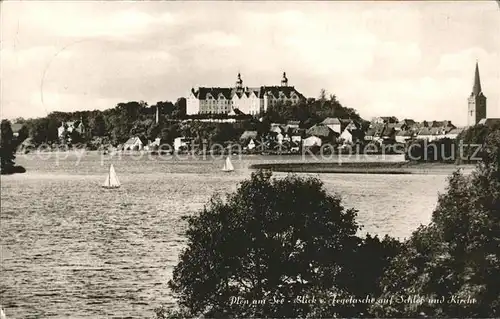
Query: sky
[[411, 59]]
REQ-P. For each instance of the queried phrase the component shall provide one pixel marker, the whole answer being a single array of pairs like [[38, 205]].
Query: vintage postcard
[[277, 159]]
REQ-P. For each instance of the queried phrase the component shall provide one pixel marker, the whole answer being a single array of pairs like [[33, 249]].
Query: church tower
[[239, 83], [284, 80], [477, 102]]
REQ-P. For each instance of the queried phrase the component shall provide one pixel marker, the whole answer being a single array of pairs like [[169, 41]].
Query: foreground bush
[[455, 260], [7, 149], [276, 240], [273, 246]]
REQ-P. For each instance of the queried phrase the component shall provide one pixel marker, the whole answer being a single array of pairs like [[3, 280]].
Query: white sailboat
[[111, 180], [228, 166]]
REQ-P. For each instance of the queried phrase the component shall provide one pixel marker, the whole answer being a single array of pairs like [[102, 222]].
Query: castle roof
[[260, 92], [276, 91], [201, 92]]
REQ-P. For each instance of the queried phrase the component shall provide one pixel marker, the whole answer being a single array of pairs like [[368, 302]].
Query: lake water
[[70, 249]]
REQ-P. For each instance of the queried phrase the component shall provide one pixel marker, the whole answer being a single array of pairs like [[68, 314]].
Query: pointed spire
[[476, 89], [239, 81], [284, 80]]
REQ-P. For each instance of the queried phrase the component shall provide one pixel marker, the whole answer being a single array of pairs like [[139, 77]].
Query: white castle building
[[217, 100]]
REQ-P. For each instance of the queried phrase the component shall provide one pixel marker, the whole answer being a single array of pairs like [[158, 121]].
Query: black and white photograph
[[249, 159]]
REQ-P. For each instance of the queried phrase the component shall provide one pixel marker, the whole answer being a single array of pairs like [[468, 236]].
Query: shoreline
[[399, 168]]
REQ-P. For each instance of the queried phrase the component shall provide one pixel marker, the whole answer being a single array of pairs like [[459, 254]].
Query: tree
[[44, 130], [7, 150], [98, 125], [456, 257], [120, 128], [311, 110], [333, 99], [153, 131], [474, 136], [75, 137], [168, 134], [179, 108], [131, 111], [322, 96], [7, 147], [22, 134], [264, 126], [19, 120], [225, 132], [166, 108], [274, 240]]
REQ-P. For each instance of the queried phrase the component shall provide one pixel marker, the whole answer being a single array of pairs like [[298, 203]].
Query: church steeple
[[476, 89], [239, 82], [284, 80], [476, 110]]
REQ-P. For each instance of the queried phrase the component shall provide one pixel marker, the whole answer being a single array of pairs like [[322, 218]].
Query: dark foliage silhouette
[[8, 145], [455, 258], [276, 242]]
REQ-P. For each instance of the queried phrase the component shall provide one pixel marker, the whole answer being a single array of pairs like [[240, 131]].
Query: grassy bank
[[364, 168]]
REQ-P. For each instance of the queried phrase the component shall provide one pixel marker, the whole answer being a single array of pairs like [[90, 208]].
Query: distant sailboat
[[111, 180], [228, 166]]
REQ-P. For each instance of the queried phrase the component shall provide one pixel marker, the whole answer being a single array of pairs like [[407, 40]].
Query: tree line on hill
[[466, 148], [113, 125], [116, 125], [280, 248], [311, 111]]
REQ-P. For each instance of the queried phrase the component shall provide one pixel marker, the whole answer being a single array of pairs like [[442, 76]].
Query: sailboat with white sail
[[111, 180], [228, 166]]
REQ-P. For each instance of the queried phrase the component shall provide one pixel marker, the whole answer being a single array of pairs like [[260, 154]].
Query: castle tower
[[284, 80], [157, 114], [476, 102], [239, 83]]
